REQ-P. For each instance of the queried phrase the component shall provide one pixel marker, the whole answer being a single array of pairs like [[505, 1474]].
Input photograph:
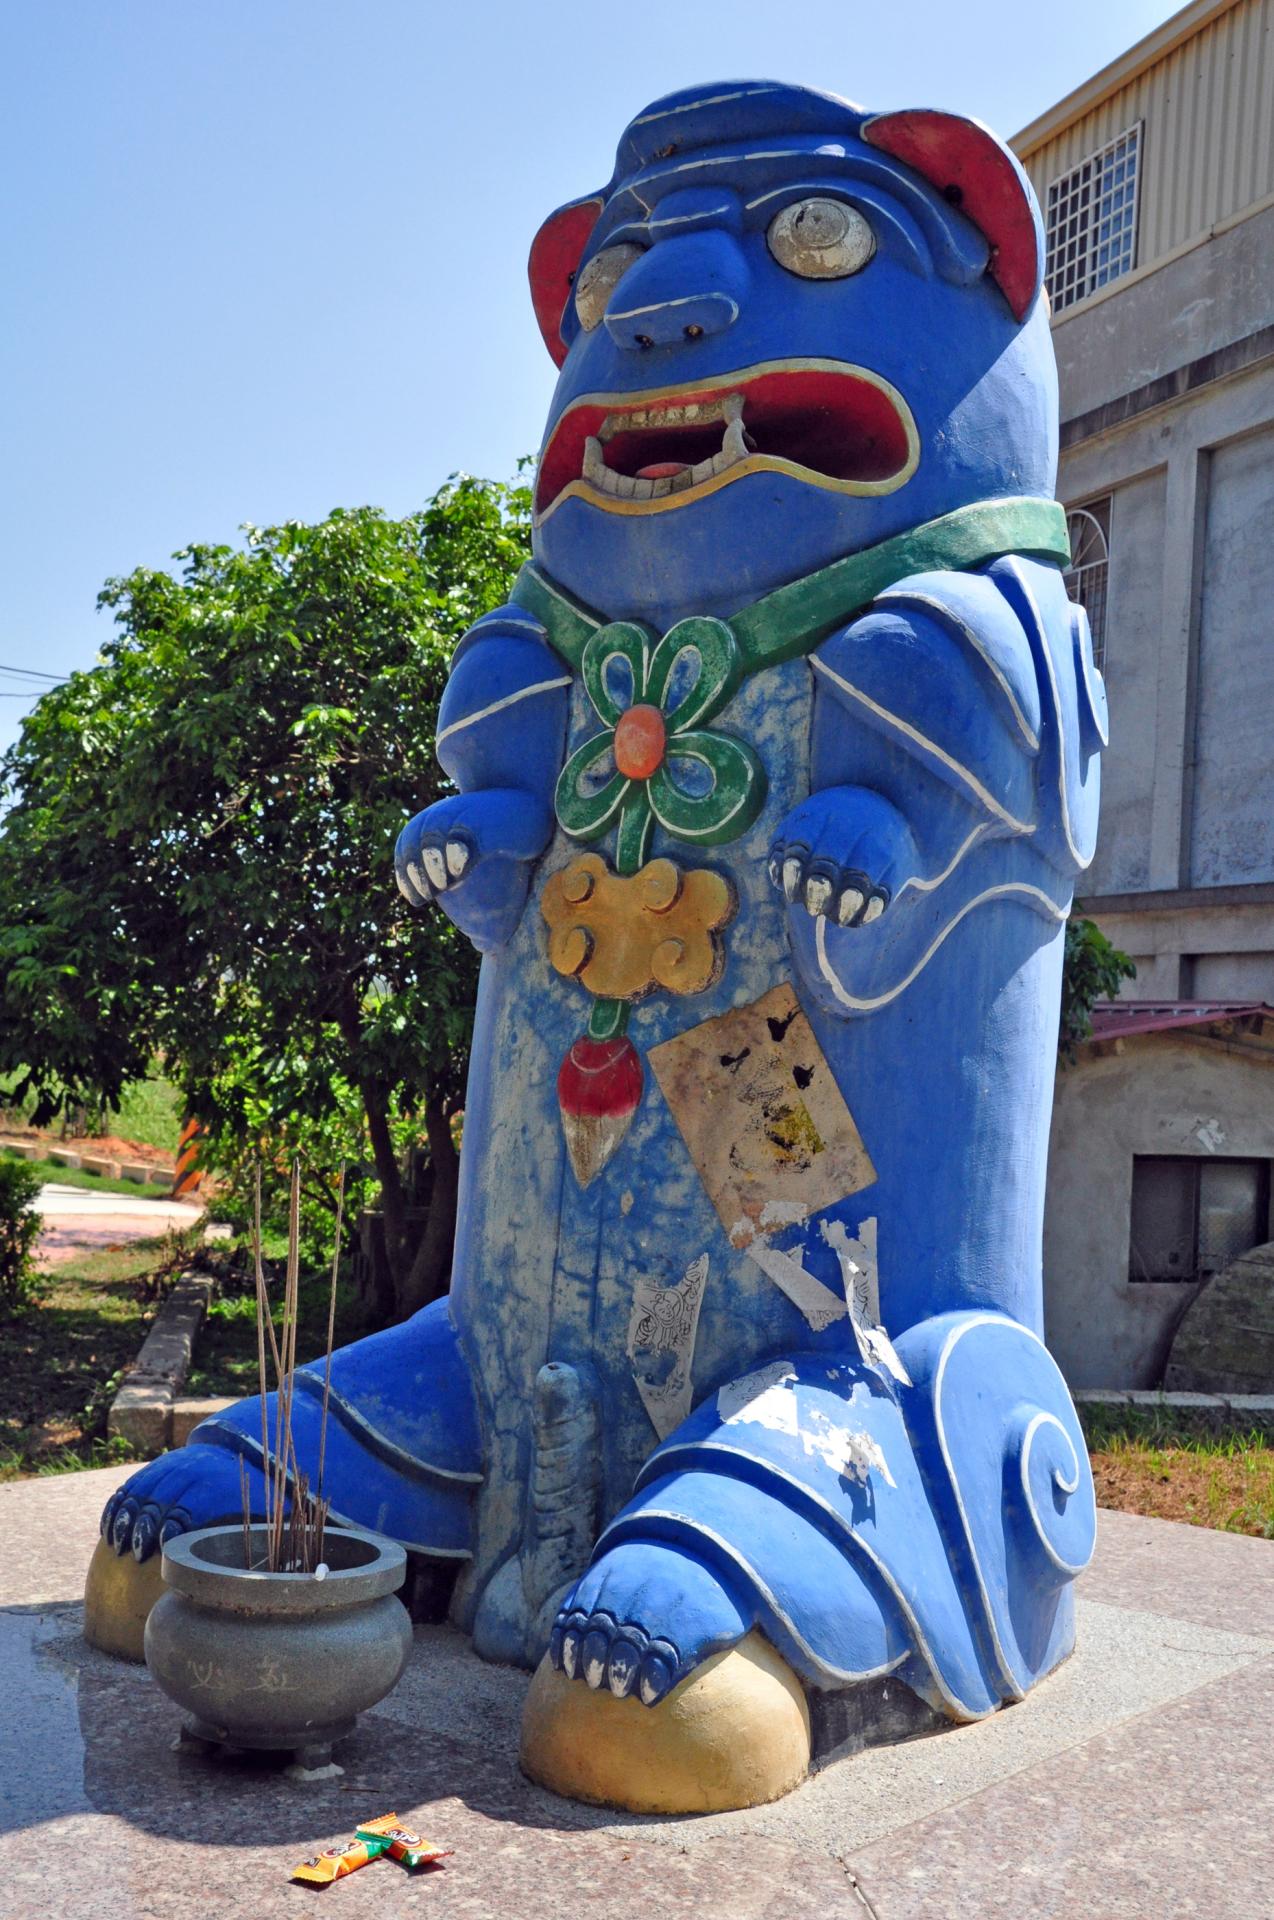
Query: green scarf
[[795, 619]]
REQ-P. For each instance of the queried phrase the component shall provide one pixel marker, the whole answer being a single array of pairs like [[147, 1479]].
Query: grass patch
[[150, 1112], [226, 1352], [1172, 1465], [54, 1174], [61, 1359]]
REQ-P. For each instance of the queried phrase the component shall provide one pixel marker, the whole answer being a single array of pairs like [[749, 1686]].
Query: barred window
[[1086, 577], [1091, 221], [1191, 1217]]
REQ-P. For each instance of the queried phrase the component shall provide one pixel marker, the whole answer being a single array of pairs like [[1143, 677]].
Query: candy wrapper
[[401, 1843], [335, 1862]]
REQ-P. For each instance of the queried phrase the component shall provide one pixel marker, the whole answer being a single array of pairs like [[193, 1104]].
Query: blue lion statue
[[772, 783]]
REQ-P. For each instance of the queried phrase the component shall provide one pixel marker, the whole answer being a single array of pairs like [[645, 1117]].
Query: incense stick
[[295, 1529]]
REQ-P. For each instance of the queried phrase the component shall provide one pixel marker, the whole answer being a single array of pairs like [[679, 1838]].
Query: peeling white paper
[[661, 1338], [861, 1279], [808, 1295], [765, 1399]]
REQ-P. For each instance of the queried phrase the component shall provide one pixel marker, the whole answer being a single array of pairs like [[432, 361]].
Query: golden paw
[[118, 1595], [734, 1733]]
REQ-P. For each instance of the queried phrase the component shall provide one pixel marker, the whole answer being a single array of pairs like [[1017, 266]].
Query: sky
[[267, 257]]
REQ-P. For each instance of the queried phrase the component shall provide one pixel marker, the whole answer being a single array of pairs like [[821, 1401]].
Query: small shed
[[1159, 1178]]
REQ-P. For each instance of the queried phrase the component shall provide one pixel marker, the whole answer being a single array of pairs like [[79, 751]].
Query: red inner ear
[[970, 167], [555, 253]]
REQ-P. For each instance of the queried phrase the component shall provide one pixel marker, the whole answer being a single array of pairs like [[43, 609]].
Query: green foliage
[[197, 861], [150, 1112], [19, 1231], [1093, 970]]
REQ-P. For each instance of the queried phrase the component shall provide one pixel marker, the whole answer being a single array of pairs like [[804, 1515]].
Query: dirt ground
[[61, 1358]]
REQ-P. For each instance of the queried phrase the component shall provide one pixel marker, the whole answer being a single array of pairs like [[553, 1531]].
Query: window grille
[[1191, 1217], [1086, 577], [1091, 221]]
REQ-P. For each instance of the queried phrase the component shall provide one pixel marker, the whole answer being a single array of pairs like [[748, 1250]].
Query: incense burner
[[277, 1660]]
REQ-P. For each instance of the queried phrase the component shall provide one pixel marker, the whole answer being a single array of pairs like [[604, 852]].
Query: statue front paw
[[843, 855], [473, 854], [643, 1617]]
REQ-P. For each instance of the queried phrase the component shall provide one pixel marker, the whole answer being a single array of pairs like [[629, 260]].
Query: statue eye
[[598, 281], [821, 239]]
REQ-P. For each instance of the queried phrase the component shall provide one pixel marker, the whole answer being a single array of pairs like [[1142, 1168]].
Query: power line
[[30, 673]]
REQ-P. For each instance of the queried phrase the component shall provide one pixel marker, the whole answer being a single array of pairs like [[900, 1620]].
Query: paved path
[[76, 1220], [1134, 1785]]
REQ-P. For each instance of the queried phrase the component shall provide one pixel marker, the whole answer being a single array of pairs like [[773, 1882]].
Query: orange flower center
[[641, 740]]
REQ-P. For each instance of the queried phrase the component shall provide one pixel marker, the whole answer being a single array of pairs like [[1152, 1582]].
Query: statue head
[[786, 329]]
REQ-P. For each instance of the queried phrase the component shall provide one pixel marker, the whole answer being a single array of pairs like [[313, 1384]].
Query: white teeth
[[594, 464], [701, 412], [734, 447], [734, 444]]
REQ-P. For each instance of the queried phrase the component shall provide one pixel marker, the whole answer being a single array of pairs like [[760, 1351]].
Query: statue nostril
[[693, 332]]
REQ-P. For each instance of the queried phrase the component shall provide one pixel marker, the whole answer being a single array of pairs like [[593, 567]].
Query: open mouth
[[824, 422]]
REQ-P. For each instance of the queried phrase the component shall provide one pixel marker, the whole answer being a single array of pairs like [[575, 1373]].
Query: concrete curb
[[141, 1172], [142, 1410], [188, 1413], [1215, 1409]]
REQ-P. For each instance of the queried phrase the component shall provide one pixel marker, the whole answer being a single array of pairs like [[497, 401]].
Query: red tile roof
[[1115, 1018]]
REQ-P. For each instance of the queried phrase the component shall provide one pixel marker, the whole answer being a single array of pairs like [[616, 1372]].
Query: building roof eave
[[1120, 73]]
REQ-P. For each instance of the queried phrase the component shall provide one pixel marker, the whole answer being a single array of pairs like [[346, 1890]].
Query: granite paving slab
[[1168, 1814], [1188, 1573], [1133, 1783]]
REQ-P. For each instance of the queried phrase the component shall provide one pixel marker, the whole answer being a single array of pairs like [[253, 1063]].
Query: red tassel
[[599, 1088]]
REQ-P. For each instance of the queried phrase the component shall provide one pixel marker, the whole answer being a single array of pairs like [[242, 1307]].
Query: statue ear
[[976, 173], [555, 254]]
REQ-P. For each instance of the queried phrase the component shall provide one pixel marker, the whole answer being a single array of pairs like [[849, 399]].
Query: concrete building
[[1157, 182], [1158, 1181]]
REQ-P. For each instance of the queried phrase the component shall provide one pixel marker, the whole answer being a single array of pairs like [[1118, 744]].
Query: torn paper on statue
[[661, 1340]]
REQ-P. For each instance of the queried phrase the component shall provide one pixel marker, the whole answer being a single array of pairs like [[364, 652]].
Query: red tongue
[[661, 469]]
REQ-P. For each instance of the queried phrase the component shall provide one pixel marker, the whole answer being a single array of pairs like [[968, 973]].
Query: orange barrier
[[187, 1177]]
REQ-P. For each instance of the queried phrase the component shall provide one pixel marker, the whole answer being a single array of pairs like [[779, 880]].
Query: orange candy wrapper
[[335, 1862]]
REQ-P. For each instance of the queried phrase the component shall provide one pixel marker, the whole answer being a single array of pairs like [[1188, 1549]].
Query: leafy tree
[[20, 1226], [1092, 970], [197, 862]]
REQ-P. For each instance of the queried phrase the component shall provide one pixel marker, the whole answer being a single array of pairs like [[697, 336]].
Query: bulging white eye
[[598, 281], [821, 239]]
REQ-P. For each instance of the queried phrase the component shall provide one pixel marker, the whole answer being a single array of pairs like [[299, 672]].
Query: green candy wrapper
[[408, 1848]]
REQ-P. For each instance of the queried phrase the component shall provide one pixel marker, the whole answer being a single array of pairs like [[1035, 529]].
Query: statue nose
[[684, 289]]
